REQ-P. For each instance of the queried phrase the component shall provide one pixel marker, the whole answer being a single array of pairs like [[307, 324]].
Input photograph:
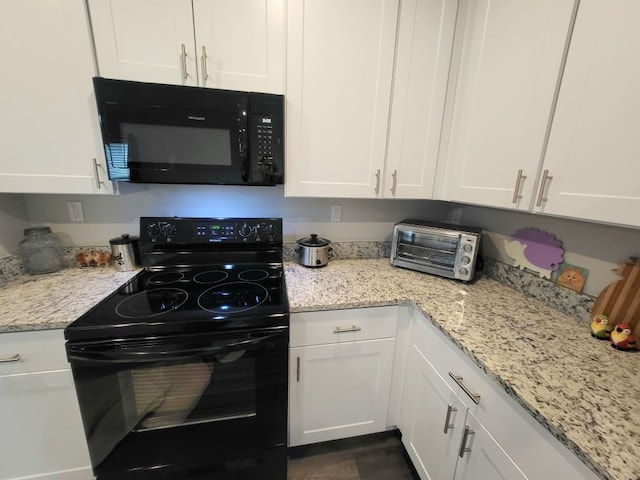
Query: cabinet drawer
[[38, 351], [318, 328]]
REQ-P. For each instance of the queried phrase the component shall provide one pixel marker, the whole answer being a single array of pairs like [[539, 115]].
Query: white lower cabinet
[[41, 430], [449, 436], [340, 370], [442, 438]]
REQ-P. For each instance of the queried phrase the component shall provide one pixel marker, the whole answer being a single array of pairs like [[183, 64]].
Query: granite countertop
[[54, 300], [582, 390]]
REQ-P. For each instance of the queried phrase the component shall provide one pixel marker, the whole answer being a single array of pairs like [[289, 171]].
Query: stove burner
[[152, 303], [233, 297], [253, 275], [210, 276], [165, 278]]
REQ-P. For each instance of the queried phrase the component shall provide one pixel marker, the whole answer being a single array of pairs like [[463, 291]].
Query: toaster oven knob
[[467, 247], [465, 260], [464, 272]]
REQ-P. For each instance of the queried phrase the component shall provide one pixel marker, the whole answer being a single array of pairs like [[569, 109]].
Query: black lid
[[123, 239], [314, 241]]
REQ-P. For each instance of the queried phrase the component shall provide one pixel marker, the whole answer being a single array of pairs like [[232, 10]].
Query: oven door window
[[165, 145], [434, 249], [150, 403]]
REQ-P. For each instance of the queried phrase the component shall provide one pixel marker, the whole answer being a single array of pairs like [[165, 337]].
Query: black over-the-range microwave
[[154, 133]]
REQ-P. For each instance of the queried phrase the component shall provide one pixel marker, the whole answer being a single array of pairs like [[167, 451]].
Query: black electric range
[[199, 275], [182, 373]]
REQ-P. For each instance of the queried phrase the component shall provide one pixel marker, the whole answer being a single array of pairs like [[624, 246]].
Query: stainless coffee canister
[[125, 253]]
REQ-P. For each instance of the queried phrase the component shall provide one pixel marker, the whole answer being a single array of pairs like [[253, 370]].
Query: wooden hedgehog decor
[[620, 301]]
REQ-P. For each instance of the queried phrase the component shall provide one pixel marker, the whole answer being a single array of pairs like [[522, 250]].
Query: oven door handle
[[142, 354]]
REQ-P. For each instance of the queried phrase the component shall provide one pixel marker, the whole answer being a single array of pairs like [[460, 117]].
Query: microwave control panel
[[266, 149]]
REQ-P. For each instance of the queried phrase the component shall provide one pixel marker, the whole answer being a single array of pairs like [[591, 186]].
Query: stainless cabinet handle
[[97, 174], [14, 358], [203, 59], [298, 369], [543, 186], [447, 425], [463, 443], [378, 181], [185, 74], [393, 186], [458, 379], [516, 191], [352, 328]]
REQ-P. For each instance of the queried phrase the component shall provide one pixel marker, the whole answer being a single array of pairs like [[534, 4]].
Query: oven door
[[185, 406], [173, 145]]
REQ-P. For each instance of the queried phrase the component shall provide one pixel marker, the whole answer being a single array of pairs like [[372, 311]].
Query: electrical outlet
[[76, 215], [336, 213]]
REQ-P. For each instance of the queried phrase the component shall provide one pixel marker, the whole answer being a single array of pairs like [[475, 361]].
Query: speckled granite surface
[[544, 359], [54, 300], [582, 390]]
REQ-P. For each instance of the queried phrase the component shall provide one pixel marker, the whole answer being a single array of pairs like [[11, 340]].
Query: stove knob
[[244, 230], [168, 230], [153, 230]]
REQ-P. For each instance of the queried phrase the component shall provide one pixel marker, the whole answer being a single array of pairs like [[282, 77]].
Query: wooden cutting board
[[620, 301]]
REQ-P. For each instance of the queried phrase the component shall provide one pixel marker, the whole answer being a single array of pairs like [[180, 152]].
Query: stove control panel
[[193, 231]]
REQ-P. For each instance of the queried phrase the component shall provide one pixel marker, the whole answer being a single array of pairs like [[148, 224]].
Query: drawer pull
[[298, 369], [352, 328], [15, 358], [463, 444], [447, 425], [458, 379]]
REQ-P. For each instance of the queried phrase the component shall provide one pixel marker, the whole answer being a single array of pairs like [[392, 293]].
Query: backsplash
[[11, 265], [341, 250], [576, 305]]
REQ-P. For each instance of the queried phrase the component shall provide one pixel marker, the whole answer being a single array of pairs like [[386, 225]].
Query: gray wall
[[13, 220]]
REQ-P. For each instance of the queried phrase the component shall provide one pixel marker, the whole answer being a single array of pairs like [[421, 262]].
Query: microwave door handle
[[145, 355]]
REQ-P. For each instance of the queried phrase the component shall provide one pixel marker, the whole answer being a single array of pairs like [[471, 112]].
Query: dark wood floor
[[372, 457]]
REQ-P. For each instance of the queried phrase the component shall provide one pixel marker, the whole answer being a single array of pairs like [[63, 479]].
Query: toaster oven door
[[435, 250]]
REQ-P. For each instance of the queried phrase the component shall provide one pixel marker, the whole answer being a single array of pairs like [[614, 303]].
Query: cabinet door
[[482, 458], [49, 136], [432, 419], [240, 44], [593, 155], [423, 54], [339, 69], [339, 390], [511, 55], [145, 40], [42, 432]]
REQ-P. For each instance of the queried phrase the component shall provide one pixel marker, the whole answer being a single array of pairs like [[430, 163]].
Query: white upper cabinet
[[593, 155], [240, 44], [228, 44], [423, 55], [365, 97], [339, 72], [511, 55], [50, 137], [145, 40]]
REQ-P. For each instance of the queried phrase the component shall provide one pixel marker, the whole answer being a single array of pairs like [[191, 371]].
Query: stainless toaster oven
[[442, 249]]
